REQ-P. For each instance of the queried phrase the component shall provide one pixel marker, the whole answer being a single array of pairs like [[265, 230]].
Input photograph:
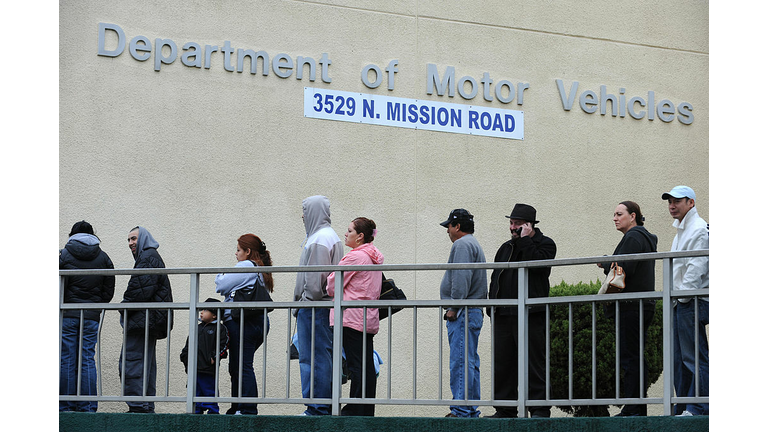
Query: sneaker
[[450, 414], [685, 413]]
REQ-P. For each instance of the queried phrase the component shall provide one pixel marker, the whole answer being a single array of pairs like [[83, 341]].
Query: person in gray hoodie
[[82, 252], [143, 288], [321, 247]]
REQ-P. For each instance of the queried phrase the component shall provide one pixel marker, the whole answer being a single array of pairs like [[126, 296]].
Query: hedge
[[582, 350]]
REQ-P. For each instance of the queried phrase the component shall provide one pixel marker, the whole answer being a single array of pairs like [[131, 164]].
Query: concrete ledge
[[118, 422]]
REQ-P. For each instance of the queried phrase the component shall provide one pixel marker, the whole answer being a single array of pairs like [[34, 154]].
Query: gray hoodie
[[144, 241], [321, 247]]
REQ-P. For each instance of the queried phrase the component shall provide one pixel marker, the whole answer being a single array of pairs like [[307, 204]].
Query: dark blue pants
[[206, 386], [251, 339]]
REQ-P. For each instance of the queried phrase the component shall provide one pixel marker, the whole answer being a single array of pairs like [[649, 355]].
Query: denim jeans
[[457, 341], [323, 372], [206, 386], [70, 342], [253, 337], [134, 370], [685, 354]]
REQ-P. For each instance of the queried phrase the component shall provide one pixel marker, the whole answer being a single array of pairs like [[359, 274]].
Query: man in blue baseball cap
[[688, 274]]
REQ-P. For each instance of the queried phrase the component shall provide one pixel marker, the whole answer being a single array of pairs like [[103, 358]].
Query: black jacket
[[504, 281], [83, 252], [639, 275], [148, 288], [206, 347]]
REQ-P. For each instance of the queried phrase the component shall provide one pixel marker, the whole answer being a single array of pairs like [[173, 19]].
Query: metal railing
[[667, 296]]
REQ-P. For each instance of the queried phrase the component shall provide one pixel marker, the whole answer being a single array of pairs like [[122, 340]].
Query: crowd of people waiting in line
[[323, 247]]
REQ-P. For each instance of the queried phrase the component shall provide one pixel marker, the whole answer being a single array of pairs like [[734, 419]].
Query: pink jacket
[[359, 285]]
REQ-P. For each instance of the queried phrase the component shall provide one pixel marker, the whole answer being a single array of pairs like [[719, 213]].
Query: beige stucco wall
[[201, 156]]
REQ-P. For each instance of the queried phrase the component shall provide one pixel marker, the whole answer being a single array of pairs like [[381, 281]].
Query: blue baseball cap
[[679, 192]]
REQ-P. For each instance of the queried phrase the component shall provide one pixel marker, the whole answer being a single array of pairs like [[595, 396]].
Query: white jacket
[[692, 234]]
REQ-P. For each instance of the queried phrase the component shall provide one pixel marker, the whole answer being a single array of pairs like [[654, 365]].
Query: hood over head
[[317, 213], [145, 241], [84, 246]]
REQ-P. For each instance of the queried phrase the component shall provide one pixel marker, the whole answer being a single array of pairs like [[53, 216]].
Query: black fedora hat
[[523, 212]]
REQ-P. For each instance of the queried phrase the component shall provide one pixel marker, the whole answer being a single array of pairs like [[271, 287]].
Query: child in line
[[206, 355]]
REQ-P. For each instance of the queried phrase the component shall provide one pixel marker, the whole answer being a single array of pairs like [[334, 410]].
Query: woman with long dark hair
[[640, 276], [251, 252], [360, 285]]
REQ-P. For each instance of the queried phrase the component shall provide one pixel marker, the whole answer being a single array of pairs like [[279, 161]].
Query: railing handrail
[[390, 267], [587, 298]]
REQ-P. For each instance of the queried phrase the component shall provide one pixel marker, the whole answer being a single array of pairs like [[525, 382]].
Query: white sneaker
[[238, 413], [685, 413]]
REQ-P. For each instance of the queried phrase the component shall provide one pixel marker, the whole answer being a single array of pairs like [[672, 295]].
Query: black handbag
[[251, 293], [389, 291]]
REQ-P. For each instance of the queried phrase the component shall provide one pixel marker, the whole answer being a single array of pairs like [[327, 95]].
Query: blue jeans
[[323, 357], [206, 386], [253, 337], [685, 354], [456, 341], [70, 342]]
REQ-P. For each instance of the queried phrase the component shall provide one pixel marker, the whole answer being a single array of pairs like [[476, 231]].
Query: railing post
[[667, 334], [61, 321], [194, 285], [337, 341], [522, 345]]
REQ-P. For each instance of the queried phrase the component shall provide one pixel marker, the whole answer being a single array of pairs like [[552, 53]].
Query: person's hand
[[527, 230], [450, 315], [600, 265]]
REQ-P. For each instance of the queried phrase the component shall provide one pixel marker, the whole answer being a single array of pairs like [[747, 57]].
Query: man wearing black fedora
[[527, 244]]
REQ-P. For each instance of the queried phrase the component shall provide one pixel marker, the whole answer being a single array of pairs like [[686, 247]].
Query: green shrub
[[582, 350]]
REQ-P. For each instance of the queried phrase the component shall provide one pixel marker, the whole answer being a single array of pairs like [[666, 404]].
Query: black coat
[[77, 255], [148, 288], [206, 347], [640, 276], [504, 281]]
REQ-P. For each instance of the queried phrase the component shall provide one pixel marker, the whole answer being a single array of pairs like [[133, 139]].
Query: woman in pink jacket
[[360, 285]]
